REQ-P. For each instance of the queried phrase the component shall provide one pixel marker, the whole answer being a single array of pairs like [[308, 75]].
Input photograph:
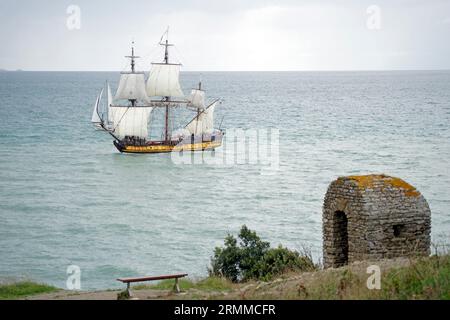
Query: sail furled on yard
[[197, 99], [164, 81], [131, 121], [96, 117], [203, 123], [131, 87]]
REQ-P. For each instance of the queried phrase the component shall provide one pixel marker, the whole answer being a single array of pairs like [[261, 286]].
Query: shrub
[[254, 259], [280, 260], [226, 260]]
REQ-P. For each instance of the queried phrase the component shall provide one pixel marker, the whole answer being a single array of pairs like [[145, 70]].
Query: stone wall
[[373, 217]]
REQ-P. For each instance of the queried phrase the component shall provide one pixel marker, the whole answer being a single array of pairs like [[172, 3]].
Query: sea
[[70, 201]]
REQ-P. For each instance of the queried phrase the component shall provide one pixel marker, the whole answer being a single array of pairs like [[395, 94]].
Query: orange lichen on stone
[[367, 181], [371, 181], [410, 191]]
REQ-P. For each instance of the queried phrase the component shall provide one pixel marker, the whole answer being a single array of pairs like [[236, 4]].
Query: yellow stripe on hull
[[169, 148]]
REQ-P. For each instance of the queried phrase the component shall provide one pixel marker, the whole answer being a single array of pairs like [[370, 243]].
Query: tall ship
[[127, 116]]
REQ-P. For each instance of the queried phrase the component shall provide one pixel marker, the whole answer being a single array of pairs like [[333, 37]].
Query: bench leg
[[176, 287], [128, 289]]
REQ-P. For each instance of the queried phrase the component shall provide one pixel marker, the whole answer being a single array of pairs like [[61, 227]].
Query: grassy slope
[[424, 278], [22, 289]]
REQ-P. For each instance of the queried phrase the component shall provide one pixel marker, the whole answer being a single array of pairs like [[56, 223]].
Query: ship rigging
[[127, 115]]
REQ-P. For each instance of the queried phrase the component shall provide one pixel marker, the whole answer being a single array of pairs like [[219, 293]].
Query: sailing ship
[[126, 116]]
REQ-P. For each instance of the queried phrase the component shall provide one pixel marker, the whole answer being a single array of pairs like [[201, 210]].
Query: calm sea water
[[69, 198]]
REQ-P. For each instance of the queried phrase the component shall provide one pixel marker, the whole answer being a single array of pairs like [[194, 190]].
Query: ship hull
[[165, 148]]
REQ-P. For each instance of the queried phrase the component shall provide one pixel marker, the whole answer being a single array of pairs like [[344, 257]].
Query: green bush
[[279, 260], [254, 259]]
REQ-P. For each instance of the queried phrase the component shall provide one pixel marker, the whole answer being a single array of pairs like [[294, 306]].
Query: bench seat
[[176, 287]]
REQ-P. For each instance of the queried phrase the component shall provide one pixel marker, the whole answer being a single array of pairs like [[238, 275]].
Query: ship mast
[[199, 88], [166, 45], [133, 64], [163, 82]]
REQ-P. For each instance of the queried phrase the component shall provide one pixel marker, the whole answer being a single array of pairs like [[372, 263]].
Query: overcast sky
[[227, 34]]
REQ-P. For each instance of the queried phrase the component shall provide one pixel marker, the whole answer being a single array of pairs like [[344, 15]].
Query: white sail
[[131, 121], [96, 114], [208, 120], [109, 102], [131, 87], [197, 98], [164, 81], [204, 122]]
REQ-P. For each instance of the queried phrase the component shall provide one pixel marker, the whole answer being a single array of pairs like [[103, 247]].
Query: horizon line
[[309, 70]]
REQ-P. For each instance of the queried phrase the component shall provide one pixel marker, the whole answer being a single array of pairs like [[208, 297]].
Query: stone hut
[[373, 217]]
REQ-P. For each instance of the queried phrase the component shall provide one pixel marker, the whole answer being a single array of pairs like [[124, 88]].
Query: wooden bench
[[176, 287]]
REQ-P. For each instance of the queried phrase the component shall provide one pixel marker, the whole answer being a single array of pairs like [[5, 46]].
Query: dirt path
[[101, 295]]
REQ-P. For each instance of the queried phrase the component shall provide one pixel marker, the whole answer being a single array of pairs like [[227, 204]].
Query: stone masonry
[[373, 217]]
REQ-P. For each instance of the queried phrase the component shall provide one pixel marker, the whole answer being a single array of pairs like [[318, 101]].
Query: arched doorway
[[340, 236]]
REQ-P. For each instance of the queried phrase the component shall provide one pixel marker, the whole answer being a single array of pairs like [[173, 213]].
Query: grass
[[23, 289], [207, 284], [421, 278], [424, 279]]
